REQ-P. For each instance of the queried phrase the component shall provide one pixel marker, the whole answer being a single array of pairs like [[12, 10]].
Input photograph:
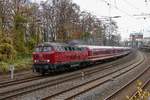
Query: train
[[51, 57]]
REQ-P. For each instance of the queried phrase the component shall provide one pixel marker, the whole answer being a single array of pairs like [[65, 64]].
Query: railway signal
[[12, 68]]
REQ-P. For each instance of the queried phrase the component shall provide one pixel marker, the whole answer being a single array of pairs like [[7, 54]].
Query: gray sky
[[127, 23]]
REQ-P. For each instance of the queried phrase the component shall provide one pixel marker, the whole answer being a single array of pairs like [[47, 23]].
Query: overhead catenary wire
[[142, 13], [109, 4], [131, 5], [117, 8]]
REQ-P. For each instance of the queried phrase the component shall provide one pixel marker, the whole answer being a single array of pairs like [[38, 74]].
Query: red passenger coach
[[51, 57], [100, 53]]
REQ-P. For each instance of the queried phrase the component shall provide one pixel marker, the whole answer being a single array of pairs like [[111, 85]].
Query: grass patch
[[22, 62]]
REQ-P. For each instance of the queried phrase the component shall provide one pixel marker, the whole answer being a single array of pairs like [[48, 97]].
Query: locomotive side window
[[66, 48], [75, 48], [62, 48], [79, 49], [72, 48], [82, 49], [69, 49]]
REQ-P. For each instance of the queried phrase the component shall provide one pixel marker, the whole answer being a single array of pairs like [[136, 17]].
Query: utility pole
[[109, 34]]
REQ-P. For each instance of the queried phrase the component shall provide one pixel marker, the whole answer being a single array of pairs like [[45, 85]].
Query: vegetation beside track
[[21, 62], [141, 93]]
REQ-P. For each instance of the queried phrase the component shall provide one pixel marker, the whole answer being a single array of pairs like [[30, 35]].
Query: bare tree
[[56, 20], [6, 15]]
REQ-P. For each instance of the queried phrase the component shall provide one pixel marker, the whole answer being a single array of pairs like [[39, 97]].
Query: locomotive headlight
[[35, 61], [48, 60]]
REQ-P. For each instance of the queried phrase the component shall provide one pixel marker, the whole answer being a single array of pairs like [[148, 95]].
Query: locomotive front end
[[42, 58]]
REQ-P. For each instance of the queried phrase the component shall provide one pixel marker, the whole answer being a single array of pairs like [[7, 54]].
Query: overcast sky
[[127, 23]]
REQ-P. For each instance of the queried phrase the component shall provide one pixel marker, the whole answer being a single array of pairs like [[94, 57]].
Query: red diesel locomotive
[[52, 57]]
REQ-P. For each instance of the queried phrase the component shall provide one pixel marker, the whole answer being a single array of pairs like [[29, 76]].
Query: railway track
[[6, 83], [14, 82], [19, 91], [129, 88], [19, 81], [71, 93], [127, 84], [17, 76]]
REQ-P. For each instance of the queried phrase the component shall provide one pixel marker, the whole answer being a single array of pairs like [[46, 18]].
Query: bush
[[19, 64], [4, 67], [6, 40], [7, 52], [31, 44], [24, 63]]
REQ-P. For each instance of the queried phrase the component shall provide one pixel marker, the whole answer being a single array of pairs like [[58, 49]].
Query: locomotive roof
[[52, 44], [87, 46]]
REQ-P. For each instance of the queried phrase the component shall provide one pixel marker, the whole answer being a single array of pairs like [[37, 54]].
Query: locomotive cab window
[[58, 48], [38, 49], [43, 49], [47, 49]]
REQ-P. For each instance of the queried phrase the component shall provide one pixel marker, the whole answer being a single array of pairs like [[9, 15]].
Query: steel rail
[[14, 82]]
